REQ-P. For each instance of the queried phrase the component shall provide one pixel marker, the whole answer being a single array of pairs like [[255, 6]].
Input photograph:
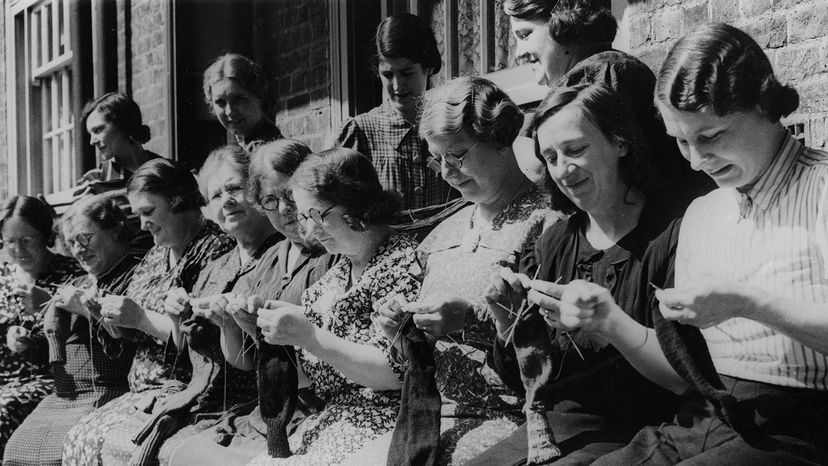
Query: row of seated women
[[296, 326]]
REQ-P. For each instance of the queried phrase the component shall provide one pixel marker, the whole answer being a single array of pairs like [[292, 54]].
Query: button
[[418, 189], [418, 159]]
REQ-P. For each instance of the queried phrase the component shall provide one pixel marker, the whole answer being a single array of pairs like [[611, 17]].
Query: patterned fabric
[[460, 254], [353, 414], [24, 377], [398, 154], [94, 372], [157, 365], [773, 237], [273, 278]]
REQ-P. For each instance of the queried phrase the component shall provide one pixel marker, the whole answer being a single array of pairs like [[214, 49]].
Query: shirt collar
[[396, 128], [777, 177]]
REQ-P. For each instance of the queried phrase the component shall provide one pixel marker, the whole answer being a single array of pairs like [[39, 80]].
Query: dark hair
[[168, 179], [407, 36], [33, 211], [345, 177], [570, 22], [104, 211], [247, 73], [122, 112], [231, 154], [720, 66], [475, 104], [612, 114], [283, 155]]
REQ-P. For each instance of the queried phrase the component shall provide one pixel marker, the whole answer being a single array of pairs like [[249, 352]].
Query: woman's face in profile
[[473, 167], [403, 81], [109, 142], [236, 108], [277, 202], [583, 161], [535, 46], [23, 244], [166, 227]]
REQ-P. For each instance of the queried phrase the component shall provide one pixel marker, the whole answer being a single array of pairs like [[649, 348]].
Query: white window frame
[[40, 140]]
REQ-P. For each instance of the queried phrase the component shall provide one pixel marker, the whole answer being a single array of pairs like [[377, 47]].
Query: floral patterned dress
[[89, 368], [353, 414], [158, 368], [25, 378]]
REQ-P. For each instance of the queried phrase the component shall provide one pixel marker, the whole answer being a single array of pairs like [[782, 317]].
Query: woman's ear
[[623, 148]]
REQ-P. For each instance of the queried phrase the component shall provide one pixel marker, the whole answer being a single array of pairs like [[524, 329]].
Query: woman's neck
[[119, 255], [374, 237], [251, 240], [194, 222], [609, 225], [134, 158], [41, 265], [514, 183]]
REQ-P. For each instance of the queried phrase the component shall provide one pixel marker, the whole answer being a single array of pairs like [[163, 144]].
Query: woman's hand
[[505, 294], [705, 303], [33, 298], [388, 316], [577, 305], [439, 314], [214, 309], [69, 298], [17, 339], [89, 299], [285, 324], [245, 311], [123, 312], [177, 302]]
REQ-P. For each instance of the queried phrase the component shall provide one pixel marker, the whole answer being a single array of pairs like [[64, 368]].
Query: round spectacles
[[19, 241], [451, 159], [315, 215], [83, 239], [271, 202]]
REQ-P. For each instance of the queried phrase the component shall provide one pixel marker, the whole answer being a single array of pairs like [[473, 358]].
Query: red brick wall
[[292, 38], [794, 34], [150, 73]]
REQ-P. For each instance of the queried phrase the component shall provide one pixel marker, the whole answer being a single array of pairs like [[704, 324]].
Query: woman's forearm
[[161, 326], [232, 346], [364, 364]]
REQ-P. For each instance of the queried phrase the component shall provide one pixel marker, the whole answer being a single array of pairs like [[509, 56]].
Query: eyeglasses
[[82, 239], [314, 214], [452, 159], [271, 202], [19, 241]]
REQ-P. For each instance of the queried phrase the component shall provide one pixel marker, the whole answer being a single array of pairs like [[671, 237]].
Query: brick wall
[[3, 139], [293, 39], [794, 34], [150, 76]]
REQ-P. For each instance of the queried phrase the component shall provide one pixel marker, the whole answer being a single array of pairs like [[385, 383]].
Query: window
[[41, 121]]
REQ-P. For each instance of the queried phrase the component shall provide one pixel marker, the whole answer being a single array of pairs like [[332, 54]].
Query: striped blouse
[[774, 237]]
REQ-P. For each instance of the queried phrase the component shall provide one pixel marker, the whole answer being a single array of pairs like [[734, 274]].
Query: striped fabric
[[774, 237]]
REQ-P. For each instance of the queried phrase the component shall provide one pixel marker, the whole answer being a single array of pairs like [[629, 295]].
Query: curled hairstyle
[[122, 112], [247, 73], [570, 22], [613, 115], [474, 104], [103, 211], [170, 180], [230, 155], [407, 36], [34, 212], [345, 177], [282, 155], [720, 66]]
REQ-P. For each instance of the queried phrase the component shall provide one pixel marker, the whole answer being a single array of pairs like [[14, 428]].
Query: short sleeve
[[351, 136]]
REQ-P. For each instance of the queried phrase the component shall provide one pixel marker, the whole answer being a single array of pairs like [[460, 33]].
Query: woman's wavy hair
[[168, 179], [570, 22], [722, 67], [122, 112], [346, 177], [247, 73], [474, 104], [231, 155], [33, 211], [407, 36], [282, 155], [103, 211], [613, 115]]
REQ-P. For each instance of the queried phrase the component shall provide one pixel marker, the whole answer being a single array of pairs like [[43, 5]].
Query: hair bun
[[142, 134]]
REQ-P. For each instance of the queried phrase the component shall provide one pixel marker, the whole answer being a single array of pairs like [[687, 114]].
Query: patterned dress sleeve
[[352, 137]]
